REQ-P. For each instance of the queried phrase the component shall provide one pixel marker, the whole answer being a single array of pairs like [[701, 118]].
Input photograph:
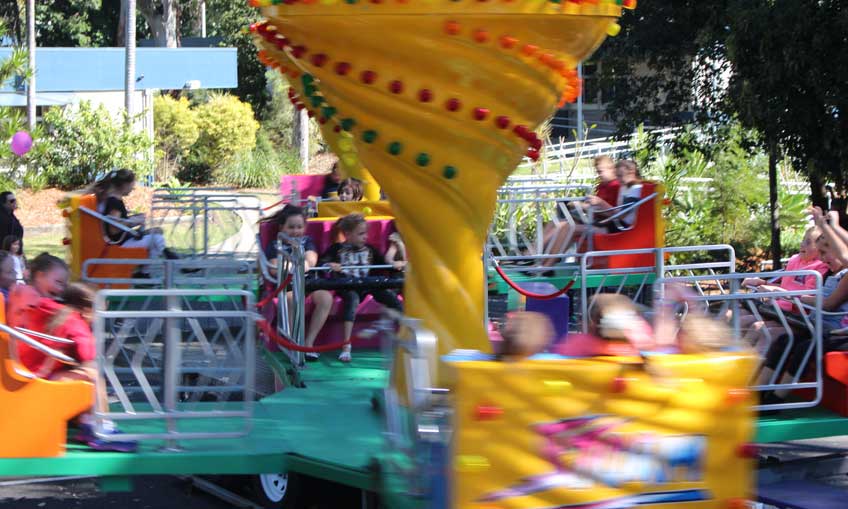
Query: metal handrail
[[812, 321], [46, 350], [626, 208], [48, 337], [164, 400], [110, 221]]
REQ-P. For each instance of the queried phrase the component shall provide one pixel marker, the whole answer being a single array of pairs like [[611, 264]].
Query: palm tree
[[13, 67]]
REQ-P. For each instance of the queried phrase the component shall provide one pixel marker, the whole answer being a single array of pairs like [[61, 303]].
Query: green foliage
[[176, 130], [66, 23], [732, 208], [779, 66], [647, 72], [229, 19], [227, 128], [11, 120], [790, 80], [80, 143], [278, 118], [258, 168]]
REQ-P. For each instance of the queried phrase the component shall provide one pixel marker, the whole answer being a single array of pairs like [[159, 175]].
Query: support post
[[31, 102], [774, 206], [580, 122], [172, 364], [304, 140], [203, 19], [129, 44]]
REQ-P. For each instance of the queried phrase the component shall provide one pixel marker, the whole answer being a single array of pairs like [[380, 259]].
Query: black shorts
[[352, 298]]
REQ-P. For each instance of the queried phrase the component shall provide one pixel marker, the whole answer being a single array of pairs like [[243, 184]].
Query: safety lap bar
[[110, 221], [355, 283], [626, 209], [19, 336]]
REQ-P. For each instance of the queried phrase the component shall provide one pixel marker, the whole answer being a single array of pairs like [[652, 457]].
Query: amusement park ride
[[439, 100]]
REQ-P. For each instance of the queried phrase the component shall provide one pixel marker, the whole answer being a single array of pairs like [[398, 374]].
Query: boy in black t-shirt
[[351, 253]]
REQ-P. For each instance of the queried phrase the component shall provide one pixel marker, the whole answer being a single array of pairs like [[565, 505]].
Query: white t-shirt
[[627, 195], [19, 269]]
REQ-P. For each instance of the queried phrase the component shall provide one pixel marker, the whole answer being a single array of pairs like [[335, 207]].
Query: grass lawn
[[50, 242], [183, 237]]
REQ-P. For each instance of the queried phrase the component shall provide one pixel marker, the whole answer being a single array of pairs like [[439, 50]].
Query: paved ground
[[172, 493], [149, 492]]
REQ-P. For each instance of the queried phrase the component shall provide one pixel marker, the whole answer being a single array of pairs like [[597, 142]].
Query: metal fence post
[[205, 225], [173, 361]]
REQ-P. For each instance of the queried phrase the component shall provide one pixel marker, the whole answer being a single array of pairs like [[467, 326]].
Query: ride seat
[[35, 411], [335, 208], [835, 385], [321, 230], [647, 232], [87, 241], [303, 186], [322, 233]]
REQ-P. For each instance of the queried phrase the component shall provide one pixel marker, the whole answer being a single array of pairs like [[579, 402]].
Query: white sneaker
[[345, 355], [312, 356]]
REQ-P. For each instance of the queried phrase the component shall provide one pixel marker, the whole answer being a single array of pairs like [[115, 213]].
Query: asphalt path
[[152, 492]]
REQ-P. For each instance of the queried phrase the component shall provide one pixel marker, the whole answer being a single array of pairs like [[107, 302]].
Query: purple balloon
[[21, 143]]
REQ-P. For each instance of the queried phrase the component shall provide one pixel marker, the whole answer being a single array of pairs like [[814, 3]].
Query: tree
[[780, 66], [663, 50], [162, 17], [229, 19], [790, 82], [66, 23], [11, 121]]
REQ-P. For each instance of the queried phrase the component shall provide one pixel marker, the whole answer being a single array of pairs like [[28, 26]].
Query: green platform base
[[561, 278], [800, 424], [328, 430]]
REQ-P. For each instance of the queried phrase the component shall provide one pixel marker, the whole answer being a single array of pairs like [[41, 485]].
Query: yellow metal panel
[[576, 433]]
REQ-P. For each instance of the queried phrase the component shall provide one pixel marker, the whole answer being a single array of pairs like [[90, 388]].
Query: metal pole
[[774, 207], [304, 140], [173, 361], [580, 104], [206, 225], [129, 44], [31, 103], [203, 19]]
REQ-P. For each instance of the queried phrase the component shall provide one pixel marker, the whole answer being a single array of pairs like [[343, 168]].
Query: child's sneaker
[[86, 436], [345, 355], [312, 356]]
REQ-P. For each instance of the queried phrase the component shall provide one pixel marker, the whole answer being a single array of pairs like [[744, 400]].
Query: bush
[[176, 130], [733, 208], [227, 128], [81, 142], [259, 168]]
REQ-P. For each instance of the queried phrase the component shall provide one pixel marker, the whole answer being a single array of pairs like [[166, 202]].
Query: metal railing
[[636, 281], [522, 213], [756, 320], [154, 361], [214, 222], [163, 274], [26, 336]]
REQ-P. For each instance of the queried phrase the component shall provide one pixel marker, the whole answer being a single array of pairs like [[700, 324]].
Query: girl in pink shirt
[[806, 259]]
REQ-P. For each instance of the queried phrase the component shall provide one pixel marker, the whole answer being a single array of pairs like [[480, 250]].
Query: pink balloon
[[21, 143]]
